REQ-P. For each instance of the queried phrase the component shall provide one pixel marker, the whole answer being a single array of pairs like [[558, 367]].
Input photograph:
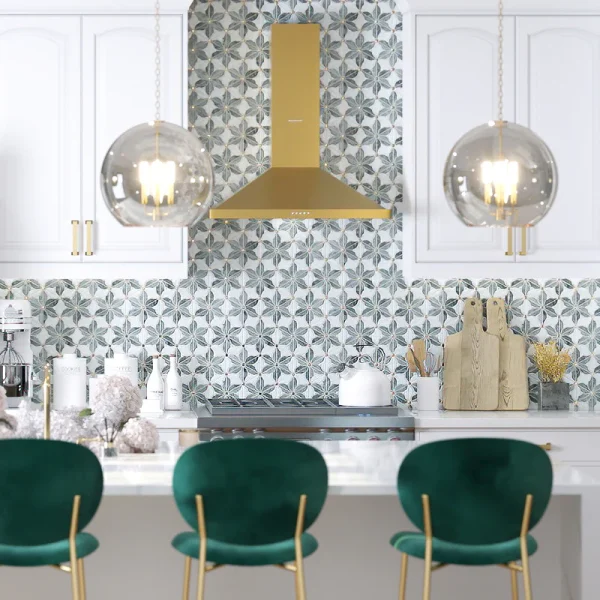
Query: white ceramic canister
[[69, 379], [428, 393], [123, 365]]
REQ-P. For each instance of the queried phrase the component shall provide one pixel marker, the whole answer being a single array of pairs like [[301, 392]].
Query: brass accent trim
[[75, 237], [89, 238], [523, 250], [287, 567], [63, 568], [510, 247], [547, 446]]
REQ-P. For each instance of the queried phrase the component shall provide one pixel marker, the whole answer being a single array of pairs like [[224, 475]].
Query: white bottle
[[123, 365], [174, 400], [155, 388]]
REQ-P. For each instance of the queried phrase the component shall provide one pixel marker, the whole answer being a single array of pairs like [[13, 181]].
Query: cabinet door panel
[[39, 132], [456, 90], [558, 97], [118, 93]]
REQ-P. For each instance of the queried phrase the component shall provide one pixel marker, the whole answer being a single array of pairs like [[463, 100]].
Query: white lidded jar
[[155, 388], [174, 398], [69, 382], [123, 365]]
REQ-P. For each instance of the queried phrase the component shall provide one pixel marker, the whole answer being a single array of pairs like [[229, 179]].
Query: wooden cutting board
[[513, 389], [471, 364]]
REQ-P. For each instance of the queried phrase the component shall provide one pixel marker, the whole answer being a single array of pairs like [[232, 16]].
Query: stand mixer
[[16, 358]]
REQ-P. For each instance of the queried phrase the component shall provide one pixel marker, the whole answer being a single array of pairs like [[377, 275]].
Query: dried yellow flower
[[551, 362]]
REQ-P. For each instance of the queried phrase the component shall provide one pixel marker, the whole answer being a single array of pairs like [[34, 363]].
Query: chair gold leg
[[428, 547], [526, 575], [300, 584], [403, 574], [524, 551], [202, 553], [427, 573], [82, 591], [187, 572], [73, 548], [514, 585]]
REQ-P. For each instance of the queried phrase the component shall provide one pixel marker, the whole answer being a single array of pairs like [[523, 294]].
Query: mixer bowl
[[16, 380]]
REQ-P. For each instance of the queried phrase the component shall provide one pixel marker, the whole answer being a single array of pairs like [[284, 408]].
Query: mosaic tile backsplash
[[275, 307]]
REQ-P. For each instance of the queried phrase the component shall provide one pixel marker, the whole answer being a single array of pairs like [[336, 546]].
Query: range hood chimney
[[295, 187]]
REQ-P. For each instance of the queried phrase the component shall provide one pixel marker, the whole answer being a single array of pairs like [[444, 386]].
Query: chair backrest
[[38, 482], [477, 487], [250, 488]]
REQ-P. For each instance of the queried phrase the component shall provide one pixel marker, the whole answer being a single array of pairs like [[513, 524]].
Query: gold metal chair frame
[[430, 568], [77, 573], [297, 567]]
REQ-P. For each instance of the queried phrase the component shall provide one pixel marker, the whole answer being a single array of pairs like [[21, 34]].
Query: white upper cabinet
[[71, 84], [39, 131], [456, 90], [551, 84], [558, 97], [119, 93]]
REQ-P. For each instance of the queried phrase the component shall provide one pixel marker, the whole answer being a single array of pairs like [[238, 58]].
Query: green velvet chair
[[474, 502], [49, 492], [249, 503]]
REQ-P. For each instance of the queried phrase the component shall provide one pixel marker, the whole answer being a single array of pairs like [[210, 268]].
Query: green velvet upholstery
[[413, 544], [47, 554], [477, 489], [251, 491], [188, 543], [38, 482]]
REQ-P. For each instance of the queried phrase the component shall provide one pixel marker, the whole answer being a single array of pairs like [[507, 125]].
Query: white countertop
[[173, 419], [515, 419], [355, 469]]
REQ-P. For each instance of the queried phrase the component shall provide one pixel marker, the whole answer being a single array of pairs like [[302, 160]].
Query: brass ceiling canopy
[[295, 187]]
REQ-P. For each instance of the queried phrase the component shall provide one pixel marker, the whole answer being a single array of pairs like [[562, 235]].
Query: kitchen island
[[138, 518]]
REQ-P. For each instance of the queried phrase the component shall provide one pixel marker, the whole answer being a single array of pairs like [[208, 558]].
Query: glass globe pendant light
[[500, 174], [157, 174]]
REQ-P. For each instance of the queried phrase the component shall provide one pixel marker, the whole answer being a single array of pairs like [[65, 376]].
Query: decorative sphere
[[157, 175], [500, 174]]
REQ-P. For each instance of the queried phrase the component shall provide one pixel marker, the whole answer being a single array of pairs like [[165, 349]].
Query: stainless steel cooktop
[[292, 407]]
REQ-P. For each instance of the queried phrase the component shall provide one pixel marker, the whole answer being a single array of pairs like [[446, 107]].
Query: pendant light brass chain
[[157, 61], [500, 59]]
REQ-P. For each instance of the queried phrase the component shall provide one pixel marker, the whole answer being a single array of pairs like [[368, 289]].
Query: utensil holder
[[428, 393]]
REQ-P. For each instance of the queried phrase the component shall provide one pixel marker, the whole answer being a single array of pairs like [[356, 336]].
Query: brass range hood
[[295, 187]]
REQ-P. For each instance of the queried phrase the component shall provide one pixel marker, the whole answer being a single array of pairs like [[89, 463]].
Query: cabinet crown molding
[[97, 7], [511, 7]]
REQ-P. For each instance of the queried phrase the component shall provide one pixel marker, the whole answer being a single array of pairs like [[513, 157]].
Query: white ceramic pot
[[428, 393]]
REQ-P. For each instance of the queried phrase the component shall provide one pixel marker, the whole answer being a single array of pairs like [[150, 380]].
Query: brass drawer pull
[[75, 231], [523, 251], [547, 446], [89, 242], [510, 249]]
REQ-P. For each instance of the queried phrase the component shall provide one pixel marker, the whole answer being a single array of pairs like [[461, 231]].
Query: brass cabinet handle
[[510, 250], [89, 241], [75, 231], [523, 251], [547, 446]]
